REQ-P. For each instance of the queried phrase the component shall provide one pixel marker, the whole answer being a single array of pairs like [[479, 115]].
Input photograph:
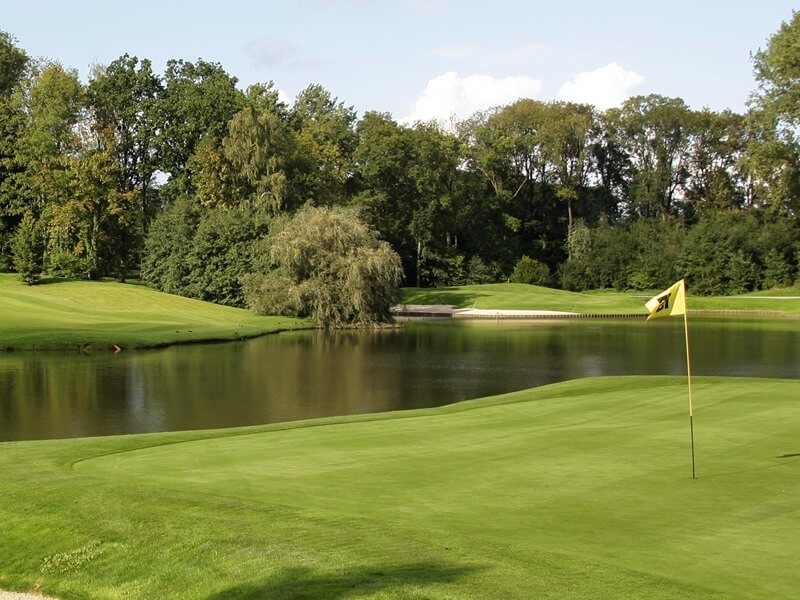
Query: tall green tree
[[13, 62], [257, 148], [198, 101], [123, 98], [773, 155], [715, 181], [53, 105], [566, 138], [325, 142], [13, 70], [656, 135]]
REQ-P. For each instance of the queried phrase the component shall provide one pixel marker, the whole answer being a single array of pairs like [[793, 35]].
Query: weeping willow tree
[[327, 265]]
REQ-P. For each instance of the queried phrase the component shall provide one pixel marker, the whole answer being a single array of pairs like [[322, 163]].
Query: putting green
[[580, 489]]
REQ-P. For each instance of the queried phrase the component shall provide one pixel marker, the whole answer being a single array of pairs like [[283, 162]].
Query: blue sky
[[427, 58]]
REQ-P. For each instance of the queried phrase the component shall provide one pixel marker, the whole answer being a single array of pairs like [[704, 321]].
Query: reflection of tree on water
[[308, 374]]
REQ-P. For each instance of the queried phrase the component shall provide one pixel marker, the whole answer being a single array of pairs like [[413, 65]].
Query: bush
[[718, 256], [202, 253], [778, 271], [531, 271]]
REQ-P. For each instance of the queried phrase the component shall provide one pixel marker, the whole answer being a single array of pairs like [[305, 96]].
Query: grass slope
[[68, 314], [574, 490], [518, 296]]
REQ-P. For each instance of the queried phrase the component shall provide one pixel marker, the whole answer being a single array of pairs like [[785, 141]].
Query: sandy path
[[21, 596]]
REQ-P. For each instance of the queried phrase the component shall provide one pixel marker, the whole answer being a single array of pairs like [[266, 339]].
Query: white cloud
[[270, 51], [449, 95], [285, 97], [275, 52], [604, 87]]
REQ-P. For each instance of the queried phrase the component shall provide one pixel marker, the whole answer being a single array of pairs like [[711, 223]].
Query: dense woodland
[[185, 180]]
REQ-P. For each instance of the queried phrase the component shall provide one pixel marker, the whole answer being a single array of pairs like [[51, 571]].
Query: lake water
[[309, 374]]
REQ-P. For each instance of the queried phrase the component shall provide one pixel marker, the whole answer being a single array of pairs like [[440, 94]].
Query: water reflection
[[310, 374]]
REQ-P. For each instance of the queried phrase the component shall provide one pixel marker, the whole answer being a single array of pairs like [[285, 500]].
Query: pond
[[308, 374]]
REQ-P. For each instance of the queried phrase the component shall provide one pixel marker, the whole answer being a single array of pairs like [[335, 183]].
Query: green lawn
[[69, 314], [574, 490], [517, 296]]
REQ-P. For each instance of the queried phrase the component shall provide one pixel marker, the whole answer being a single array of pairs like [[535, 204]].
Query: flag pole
[[689, 380]]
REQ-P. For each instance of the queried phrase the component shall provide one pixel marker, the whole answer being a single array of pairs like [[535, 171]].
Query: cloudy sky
[[423, 59]]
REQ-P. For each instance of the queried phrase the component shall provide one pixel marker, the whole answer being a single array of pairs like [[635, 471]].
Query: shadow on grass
[[454, 296], [795, 455], [304, 583]]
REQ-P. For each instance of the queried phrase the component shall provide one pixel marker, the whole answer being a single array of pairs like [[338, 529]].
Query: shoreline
[[448, 311], [401, 313]]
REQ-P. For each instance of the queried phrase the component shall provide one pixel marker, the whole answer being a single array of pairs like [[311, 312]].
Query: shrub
[[531, 271]]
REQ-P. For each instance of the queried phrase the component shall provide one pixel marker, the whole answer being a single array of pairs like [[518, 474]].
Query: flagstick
[[689, 378]]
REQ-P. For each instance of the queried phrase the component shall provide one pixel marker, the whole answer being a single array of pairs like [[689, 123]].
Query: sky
[[427, 59]]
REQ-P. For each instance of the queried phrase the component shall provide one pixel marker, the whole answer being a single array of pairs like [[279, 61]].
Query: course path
[[23, 596]]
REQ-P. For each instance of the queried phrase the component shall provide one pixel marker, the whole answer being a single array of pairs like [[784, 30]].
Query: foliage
[[601, 198], [167, 246], [328, 266], [221, 253], [28, 248], [773, 156], [13, 62], [531, 271], [203, 253], [718, 257]]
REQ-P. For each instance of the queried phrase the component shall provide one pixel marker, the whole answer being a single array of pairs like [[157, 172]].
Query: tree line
[[186, 180]]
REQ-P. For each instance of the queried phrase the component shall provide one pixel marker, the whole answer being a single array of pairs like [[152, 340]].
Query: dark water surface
[[312, 374]]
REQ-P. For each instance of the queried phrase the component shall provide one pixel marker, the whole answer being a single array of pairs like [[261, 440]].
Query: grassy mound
[[65, 315], [575, 490]]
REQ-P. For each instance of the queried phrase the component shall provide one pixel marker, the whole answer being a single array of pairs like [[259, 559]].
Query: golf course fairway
[[97, 315], [581, 489]]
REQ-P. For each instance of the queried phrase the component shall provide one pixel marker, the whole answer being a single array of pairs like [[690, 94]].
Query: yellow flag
[[671, 301]]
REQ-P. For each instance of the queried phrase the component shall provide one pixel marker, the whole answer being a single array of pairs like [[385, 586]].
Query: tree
[[13, 69], [198, 101], [715, 181], [13, 62], [222, 252], [256, 149], [655, 133], [53, 106], [167, 246], [409, 184], [28, 247], [325, 141], [328, 266], [123, 99], [773, 155], [566, 145]]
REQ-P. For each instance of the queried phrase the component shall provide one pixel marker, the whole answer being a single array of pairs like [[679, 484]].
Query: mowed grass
[[517, 296], [69, 314], [575, 490]]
